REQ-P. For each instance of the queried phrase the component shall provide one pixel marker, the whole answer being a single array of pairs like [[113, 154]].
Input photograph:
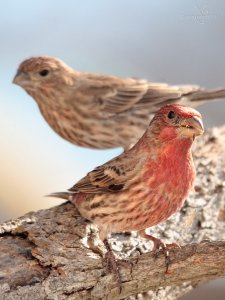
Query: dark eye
[[171, 114], [44, 72]]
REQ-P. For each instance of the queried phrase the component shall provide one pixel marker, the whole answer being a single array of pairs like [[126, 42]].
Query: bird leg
[[108, 257], [111, 264], [159, 245]]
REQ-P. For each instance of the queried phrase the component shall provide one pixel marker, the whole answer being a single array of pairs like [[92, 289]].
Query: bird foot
[[126, 262], [160, 246], [109, 258], [112, 264]]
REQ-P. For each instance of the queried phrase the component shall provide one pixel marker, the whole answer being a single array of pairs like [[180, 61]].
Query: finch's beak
[[20, 77], [192, 126]]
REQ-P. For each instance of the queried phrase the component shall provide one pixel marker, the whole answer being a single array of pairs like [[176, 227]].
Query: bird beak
[[20, 77], [192, 126]]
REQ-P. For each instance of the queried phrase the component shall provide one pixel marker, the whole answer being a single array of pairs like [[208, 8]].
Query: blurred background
[[179, 42]]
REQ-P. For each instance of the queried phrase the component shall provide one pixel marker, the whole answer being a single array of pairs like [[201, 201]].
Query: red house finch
[[146, 184], [100, 111]]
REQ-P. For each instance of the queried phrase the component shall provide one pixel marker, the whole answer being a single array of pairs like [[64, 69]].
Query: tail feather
[[190, 95], [62, 195], [204, 95]]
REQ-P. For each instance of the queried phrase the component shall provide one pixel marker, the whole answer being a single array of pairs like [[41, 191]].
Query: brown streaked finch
[[100, 111], [146, 184]]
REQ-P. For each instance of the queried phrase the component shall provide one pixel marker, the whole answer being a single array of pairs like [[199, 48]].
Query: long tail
[[204, 95], [159, 94]]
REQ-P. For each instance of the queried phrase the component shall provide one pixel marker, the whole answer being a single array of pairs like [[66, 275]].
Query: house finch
[[100, 111], [146, 184]]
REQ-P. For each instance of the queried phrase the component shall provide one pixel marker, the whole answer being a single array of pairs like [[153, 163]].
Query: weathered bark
[[44, 254]]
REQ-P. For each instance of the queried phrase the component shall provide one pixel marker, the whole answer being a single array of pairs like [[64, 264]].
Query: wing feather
[[113, 95], [114, 176], [152, 96]]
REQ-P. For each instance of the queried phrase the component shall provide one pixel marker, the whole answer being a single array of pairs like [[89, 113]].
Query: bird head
[[177, 121], [42, 72]]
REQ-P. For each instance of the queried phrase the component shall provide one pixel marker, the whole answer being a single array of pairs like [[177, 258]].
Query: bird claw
[[112, 265], [126, 262], [160, 246]]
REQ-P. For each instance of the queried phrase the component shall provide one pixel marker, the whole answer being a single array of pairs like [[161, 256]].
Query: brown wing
[[160, 94], [114, 176], [123, 97], [113, 95], [142, 95]]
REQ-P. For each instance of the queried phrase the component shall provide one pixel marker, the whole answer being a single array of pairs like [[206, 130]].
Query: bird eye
[[44, 72], [171, 114]]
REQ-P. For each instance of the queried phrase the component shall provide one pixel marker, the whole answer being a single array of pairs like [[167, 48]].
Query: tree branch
[[44, 254]]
